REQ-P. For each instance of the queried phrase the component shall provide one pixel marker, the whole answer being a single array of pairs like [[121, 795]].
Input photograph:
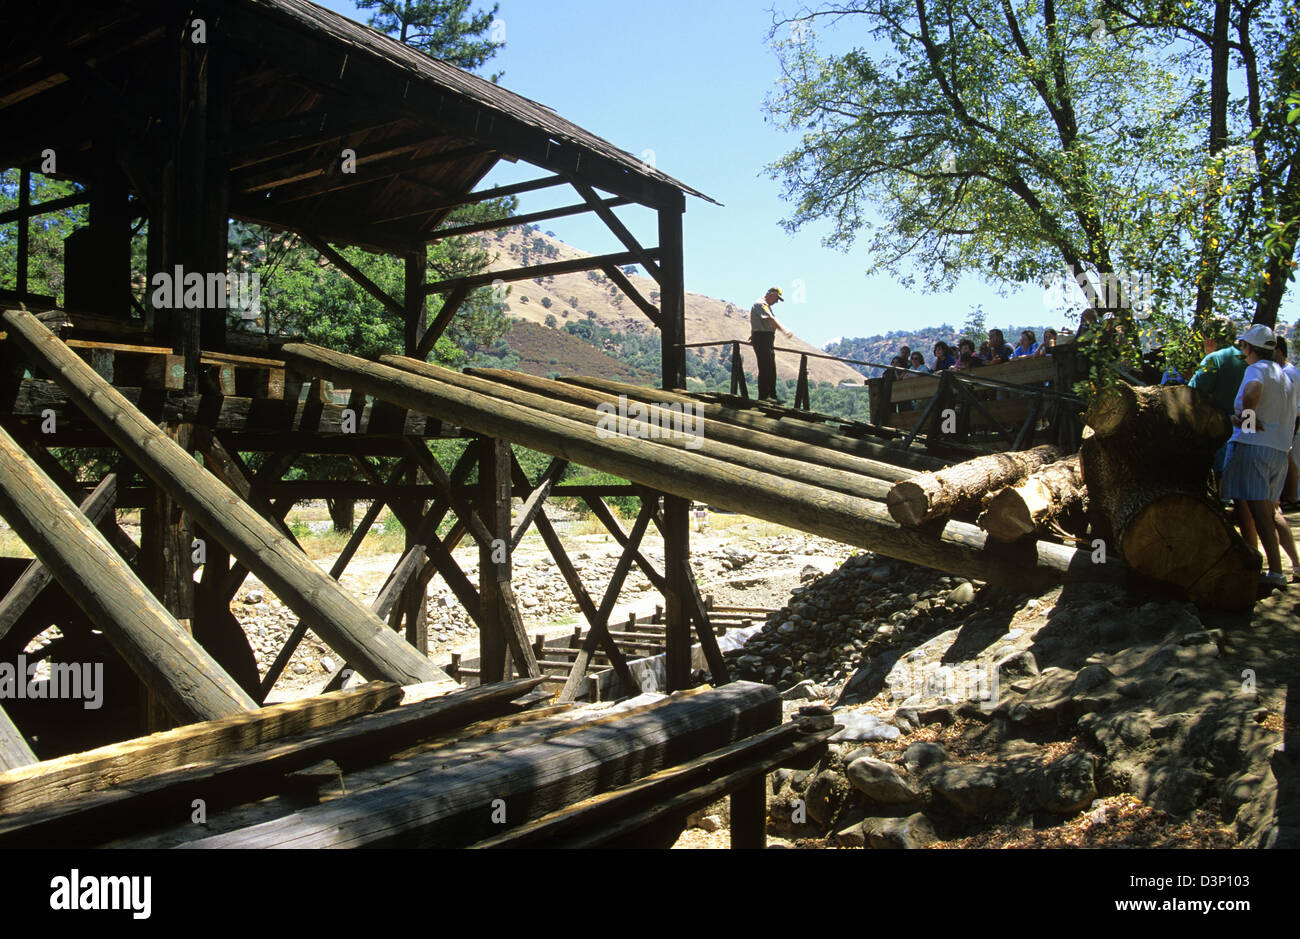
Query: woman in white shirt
[[1257, 459]]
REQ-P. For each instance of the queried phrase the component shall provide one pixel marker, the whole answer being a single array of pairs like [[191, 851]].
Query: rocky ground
[[1086, 716], [974, 716], [736, 561]]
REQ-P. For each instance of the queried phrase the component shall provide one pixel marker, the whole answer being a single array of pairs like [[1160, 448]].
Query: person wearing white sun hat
[[1256, 464]]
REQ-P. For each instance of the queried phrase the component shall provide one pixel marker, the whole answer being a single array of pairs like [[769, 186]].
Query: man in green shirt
[[1221, 372]]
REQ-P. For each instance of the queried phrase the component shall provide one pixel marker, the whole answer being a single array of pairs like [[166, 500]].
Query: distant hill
[[543, 351], [593, 296]]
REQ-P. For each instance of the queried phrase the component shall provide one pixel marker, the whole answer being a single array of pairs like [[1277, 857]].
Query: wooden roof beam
[[573, 266], [514, 220]]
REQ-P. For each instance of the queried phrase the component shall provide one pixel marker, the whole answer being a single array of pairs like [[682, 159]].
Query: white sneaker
[[1273, 579]]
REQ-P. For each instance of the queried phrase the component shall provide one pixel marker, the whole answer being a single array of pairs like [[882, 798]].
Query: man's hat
[[1259, 336], [777, 291]]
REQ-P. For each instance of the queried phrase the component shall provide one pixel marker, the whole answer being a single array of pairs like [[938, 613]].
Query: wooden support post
[[494, 509], [738, 386], [164, 655], [165, 545], [749, 814], [801, 394], [672, 294], [24, 227], [676, 533], [413, 308]]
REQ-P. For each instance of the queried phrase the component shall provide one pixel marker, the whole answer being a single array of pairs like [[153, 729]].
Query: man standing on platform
[[763, 326]]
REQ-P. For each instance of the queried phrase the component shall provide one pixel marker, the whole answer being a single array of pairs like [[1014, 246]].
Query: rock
[[881, 574], [851, 836], [710, 823], [935, 715], [327, 663], [1068, 784], [861, 726], [809, 573], [923, 754], [869, 680], [908, 833], [961, 595], [804, 690], [1019, 665], [825, 796], [880, 782], [254, 596], [974, 788], [907, 720], [300, 669]]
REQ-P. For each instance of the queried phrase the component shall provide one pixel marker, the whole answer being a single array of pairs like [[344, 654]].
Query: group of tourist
[[961, 354], [1253, 382]]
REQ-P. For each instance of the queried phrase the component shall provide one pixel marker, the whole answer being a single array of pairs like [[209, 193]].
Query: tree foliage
[[443, 29]]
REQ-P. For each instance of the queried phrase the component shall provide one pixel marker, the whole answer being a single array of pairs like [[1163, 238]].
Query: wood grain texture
[[251, 773], [14, 751], [60, 779], [530, 781], [344, 623], [188, 681], [959, 548]]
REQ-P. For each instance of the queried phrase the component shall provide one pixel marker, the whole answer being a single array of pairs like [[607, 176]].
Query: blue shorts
[[1254, 473]]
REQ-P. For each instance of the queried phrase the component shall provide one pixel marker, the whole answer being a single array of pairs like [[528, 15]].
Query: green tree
[[443, 29], [1005, 140]]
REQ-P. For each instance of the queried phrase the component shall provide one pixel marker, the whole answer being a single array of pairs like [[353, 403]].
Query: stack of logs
[[1137, 486]]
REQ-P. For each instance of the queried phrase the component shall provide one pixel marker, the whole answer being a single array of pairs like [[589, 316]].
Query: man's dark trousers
[[763, 343]]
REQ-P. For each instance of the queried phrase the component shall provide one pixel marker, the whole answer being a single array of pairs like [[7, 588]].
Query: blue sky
[[687, 80]]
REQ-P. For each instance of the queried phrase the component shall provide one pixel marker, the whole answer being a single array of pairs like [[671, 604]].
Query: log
[[959, 548], [714, 427], [1052, 492], [1160, 522], [794, 428], [37, 577], [188, 681], [850, 483], [935, 495], [344, 623], [77, 774], [249, 773], [531, 780]]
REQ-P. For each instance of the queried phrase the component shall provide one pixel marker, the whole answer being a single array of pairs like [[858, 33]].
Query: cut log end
[[1181, 540], [1007, 516], [908, 504]]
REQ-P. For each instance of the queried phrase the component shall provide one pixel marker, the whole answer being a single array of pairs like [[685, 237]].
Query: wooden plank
[[599, 810], [117, 764], [803, 753], [167, 659], [531, 781], [1024, 371], [37, 576], [352, 630], [249, 773]]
